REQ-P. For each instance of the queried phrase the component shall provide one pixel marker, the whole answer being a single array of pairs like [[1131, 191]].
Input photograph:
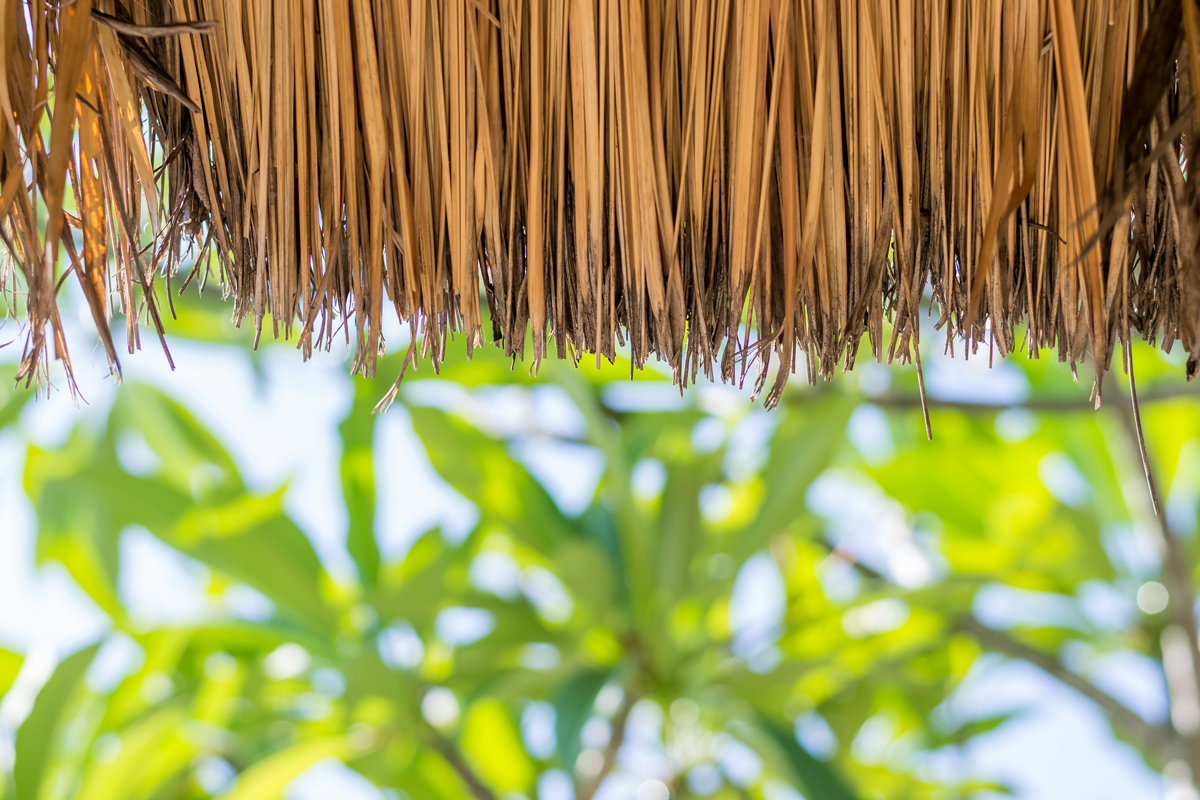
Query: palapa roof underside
[[720, 183]]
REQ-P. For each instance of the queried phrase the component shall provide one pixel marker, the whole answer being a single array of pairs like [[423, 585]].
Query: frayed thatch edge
[[671, 176]]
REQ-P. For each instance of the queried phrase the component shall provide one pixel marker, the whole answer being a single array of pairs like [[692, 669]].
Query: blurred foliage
[[620, 613]]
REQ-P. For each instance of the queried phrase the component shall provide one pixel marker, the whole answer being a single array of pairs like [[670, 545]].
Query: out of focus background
[[236, 580]]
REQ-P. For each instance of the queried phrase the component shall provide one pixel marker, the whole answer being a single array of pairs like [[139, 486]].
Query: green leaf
[[266, 550], [817, 779], [587, 570], [193, 460], [435, 775], [11, 403], [85, 499], [36, 734], [248, 538], [493, 747], [980, 726], [154, 752], [481, 470], [10, 665], [633, 531], [680, 527], [75, 523], [267, 779], [802, 448], [572, 709], [358, 482], [163, 649], [416, 590]]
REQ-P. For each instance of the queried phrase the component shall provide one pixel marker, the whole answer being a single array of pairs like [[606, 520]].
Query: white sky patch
[[708, 434], [748, 446], [554, 784], [741, 765], [1105, 606], [1063, 479], [119, 656], [400, 647], [1133, 549], [878, 616], [814, 735], [135, 455], [1183, 498], [539, 656], [497, 573], [459, 626], [871, 434], [704, 779], [757, 606], [871, 527], [998, 605], [569, 471], [440, 707], [1016, 425], [286, 661], [537, 729], [643, 755], [246, 602], [716, 502], [971, 380], [644, 396], [647, 479], [331, 778], [158, 584], [548, 595], [410, 498]]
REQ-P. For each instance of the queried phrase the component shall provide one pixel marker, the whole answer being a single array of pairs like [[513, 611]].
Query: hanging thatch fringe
[[670, 173]]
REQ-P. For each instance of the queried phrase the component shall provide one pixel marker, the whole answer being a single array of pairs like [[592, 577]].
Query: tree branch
[[1176, 571], [610, 752], [1159, 740], [1050, 404], [449, 752]]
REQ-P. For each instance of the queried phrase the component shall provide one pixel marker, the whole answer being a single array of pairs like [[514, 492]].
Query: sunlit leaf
[[358, 482], [35, 738], [481, 470], [150, 755], [193, 460], [10, 665], [801, 449], [267, 779], [573, 706], [493, 746]]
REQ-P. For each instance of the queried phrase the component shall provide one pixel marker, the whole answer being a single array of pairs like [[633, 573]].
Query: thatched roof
[[673, 174]]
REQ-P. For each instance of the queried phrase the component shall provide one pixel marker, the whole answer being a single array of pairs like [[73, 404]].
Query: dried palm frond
[[679, 175]]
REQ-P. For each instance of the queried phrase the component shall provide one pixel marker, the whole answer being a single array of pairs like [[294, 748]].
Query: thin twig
[[1064, 404], [389, 397], [1141, 436], [448, 751], [610, 752], [1149, 738], [153, 31], [1180, 591]]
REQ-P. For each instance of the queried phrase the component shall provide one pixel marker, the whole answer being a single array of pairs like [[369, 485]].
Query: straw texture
[[722, 183]]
